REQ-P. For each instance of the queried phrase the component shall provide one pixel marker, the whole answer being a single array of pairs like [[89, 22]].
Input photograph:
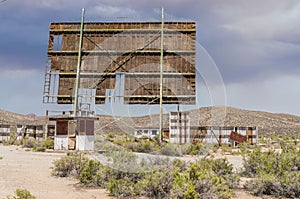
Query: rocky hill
[[18, 119], [207, 116], [210, 116]]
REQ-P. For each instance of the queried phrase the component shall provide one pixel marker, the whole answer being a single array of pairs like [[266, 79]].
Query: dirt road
[[20, 169]]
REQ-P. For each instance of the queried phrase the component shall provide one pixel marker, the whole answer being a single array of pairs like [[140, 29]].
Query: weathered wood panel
[[128, 48]]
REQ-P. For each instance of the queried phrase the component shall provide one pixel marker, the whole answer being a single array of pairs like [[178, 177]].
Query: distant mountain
[[210, 116], [266, 122], [206, 116], [18, 119]]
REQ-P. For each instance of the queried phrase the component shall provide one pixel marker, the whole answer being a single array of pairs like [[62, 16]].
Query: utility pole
[[77, 83], [161, 77]]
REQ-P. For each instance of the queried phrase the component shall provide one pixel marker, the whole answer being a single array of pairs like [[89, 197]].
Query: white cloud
[[272, 93], [112, 11], [21, 91], [268, 21]]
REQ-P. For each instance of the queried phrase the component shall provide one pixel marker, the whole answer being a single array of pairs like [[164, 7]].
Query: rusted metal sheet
[[61, 127], [129, 48], [89, 127], [72, 143], [72, 128], [86, 126], [234, 136]]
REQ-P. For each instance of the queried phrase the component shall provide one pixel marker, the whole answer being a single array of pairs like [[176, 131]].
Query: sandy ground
[[20, 169]]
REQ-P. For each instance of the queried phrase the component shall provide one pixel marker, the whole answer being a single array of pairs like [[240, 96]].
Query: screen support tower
[[161, 77], [77, 83]]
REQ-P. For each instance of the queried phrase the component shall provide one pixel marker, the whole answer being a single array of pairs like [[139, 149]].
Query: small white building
[[4, 132], [180, 131], [179, 127], [146, 132], [74, 133], [221, 135]]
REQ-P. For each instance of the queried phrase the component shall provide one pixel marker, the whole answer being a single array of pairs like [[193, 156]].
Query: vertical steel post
[[161, 77], [46, 125], [78, 65]]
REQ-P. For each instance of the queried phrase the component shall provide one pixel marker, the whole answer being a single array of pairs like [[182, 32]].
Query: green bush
[[123, 188], [200, 181], [172, 150], [125, 178], [142, 146], [266, 184], [48, 144], [69, 165], [274, 173], [290, 183], [270, 162], [29, 143], [11, 140], [158, 184], [287, 185], [22, 194], [39, 148], [193, 149], [90, 173]]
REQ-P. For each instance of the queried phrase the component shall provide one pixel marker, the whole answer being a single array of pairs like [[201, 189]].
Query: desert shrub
[[152, 145], [39, 148], [130, 143], [270, 162], [90, 173], [111, 135], [146, 146], [226, 149], [30, 143], [123, 188], [193, 149], [123, 161], [182, 180], [274, 173], [221, 167], [266, 184], [22, 194], [287, 185], [26, 142], [286, 147], [171, 150], [157, 184], [290, 183], [121, 183], [11, 140], [200, 181], [69, 165], [244, 148], [48, 143], [142, 146], [124, 178]]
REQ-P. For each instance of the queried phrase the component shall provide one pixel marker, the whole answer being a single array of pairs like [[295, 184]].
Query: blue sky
[[254, 45]]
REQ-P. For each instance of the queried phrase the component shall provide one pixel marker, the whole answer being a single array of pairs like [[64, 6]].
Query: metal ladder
[[47, 83]]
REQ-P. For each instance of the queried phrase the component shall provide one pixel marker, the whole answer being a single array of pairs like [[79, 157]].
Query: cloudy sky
[[255, 46]]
